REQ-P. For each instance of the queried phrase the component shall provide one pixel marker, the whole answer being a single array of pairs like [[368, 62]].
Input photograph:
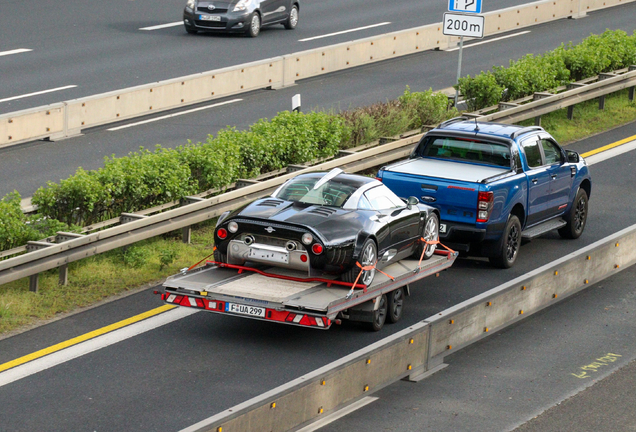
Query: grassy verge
[[94, 279]]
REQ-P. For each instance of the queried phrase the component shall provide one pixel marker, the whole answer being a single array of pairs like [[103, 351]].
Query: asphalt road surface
[[29, 166], [178, 374]]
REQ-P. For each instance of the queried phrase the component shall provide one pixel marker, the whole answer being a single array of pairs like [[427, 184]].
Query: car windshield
[[467, 150], [331, 193]]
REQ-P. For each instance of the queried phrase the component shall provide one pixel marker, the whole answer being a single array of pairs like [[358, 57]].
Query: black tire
[[254, 26], [219, 256], [379, 315], [368, 256], [190, 30], [395, 305], [429, 232], [292, 20], [509, 244], [577, 217]]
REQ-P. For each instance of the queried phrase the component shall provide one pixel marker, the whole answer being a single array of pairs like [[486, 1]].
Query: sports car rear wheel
[[368, 257], [220, 256], [430, 233]]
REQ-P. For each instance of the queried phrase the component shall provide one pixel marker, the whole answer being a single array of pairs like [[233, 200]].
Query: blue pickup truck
[[494, 184]]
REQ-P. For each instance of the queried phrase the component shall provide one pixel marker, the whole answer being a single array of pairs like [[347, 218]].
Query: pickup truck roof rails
[[524, 130]]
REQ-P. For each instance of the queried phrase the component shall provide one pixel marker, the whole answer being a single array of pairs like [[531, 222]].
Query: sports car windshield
[[466, 150], [332, 193]]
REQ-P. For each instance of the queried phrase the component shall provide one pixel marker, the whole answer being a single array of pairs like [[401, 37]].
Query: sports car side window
[[364, 204], [381, 198]]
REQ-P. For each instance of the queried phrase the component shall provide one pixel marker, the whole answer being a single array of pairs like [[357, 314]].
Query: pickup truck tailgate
[[451, 187]]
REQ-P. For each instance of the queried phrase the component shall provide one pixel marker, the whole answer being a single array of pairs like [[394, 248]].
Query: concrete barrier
[[276, 72], [421, 348], [31, 124]]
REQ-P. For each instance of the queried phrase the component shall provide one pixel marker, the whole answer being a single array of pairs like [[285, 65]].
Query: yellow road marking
[[84, 337], [609, 146]]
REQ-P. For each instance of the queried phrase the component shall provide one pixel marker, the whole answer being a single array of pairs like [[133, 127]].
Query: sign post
[[463, 24]]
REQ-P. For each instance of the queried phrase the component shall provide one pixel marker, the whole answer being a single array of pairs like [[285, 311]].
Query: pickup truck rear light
[[484, 206]]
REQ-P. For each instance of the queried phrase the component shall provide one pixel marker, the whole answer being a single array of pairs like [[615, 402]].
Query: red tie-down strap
[[362, 270], [432, 242]]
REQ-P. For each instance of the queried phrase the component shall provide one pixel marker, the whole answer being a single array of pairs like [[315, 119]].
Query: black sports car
[[325, 223]]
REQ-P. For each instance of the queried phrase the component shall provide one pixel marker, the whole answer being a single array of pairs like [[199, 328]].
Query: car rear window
[[467, 150]]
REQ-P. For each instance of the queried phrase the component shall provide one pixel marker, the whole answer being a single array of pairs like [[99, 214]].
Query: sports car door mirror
[[412, 201]]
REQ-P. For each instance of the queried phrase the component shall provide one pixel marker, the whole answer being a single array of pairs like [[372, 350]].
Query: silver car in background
[[239, 16]]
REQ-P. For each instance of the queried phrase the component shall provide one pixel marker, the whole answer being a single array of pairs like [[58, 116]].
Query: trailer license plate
[[210, 18], [269, 255], [442, 228], [245, 310]]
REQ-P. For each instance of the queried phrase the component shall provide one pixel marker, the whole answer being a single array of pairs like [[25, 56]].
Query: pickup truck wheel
[[577, 217], [369, 256], [396, 305], [429, 233], [379, 315], [510, 243], [219, 256]]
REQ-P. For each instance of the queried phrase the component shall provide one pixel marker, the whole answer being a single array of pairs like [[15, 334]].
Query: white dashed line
[[162, 26], [173, 115], [15, 51], [491, 40], [37, 93], [344, 31]]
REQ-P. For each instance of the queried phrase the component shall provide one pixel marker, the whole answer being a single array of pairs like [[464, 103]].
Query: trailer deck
[[274, 296]]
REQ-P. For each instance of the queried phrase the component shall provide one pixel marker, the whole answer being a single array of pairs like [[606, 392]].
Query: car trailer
[[283, 296]]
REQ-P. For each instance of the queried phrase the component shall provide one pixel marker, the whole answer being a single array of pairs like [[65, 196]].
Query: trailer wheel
[[379, 315], [395, 305]]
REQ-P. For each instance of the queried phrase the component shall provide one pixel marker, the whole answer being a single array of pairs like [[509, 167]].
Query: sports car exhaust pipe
[[290, 246], [249, 240]]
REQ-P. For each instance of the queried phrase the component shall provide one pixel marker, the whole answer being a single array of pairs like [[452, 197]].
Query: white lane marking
[[608, 154], [37, 93], [338, 414], [94, 344], [344, 31], [15, 51], [491, 40], [162, 26], [173, 115]]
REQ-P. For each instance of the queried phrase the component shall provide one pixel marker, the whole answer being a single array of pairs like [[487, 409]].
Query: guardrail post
[[571, 107], [539, 96], [130, 217], [631, 89], [507, 105], [33, 282], [186, 232], [601, 99], [64, 275]]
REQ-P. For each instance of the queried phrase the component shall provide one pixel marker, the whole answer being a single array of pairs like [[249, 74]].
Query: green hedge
[[614, 49]]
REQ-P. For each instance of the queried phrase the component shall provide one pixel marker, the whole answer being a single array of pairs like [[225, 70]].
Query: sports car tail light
[[317, 248], [484, 206], [307, 238], [303, 258], [232, 227], [222, 233]]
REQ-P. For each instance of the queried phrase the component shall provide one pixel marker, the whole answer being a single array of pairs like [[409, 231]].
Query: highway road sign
[[467, 6], [463, 25]]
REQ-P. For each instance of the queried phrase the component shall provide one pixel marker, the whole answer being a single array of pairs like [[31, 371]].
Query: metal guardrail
[[44, 256], [419, 350], [69, 118]]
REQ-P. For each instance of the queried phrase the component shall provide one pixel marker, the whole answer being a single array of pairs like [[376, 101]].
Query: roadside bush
[[480, 91], [145, 179], [425, 108], [14, 230], [366, 124], [213, 164], [80, 199], [135, 256]]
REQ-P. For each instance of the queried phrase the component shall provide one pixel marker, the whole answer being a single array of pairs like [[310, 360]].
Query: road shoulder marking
[[344, 31], [162, 26], [37, 93], [15, 51]]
